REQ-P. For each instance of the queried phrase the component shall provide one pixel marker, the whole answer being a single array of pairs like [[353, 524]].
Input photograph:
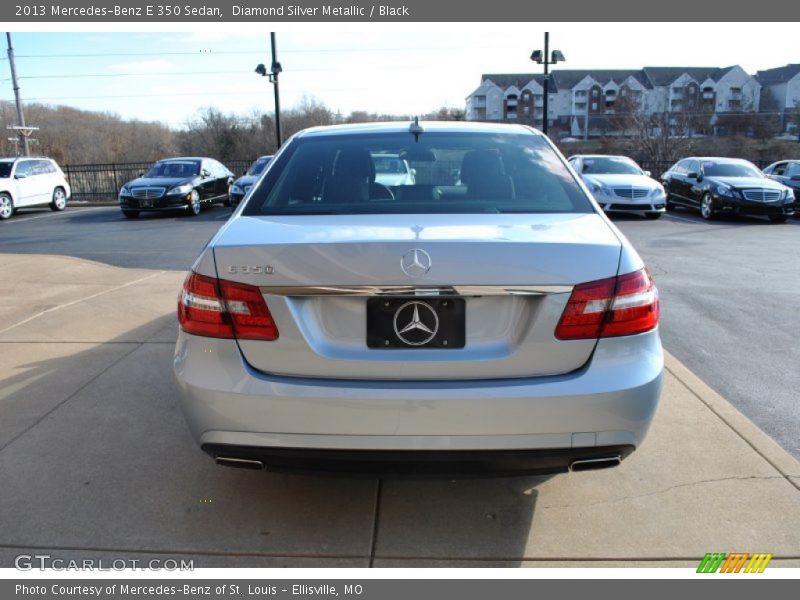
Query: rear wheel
[[59, 201], [707, 207], [131, 214], [778, 218], [6, 207]]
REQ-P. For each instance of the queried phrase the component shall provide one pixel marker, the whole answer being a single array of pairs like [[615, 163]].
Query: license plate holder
[[410, 323]]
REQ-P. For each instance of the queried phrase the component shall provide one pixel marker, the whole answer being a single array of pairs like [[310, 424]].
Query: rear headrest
[[481, 163], [354, 162]]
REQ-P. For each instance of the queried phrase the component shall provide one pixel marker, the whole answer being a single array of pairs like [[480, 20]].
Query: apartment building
[[582, 101], [780, 92]]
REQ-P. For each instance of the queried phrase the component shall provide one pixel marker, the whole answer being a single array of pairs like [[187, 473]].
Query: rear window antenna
[[416, 129]]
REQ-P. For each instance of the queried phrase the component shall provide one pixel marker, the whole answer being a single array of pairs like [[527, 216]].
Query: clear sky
[[402, 69]]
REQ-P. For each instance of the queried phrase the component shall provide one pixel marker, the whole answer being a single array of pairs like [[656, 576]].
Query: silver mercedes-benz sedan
[[485, 319]]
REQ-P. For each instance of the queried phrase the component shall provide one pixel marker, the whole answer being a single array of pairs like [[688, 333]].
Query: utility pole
[[276, 69], [23, 136]]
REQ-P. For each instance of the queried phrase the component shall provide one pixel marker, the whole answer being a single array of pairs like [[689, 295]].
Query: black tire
[[709, 213], [778, 218], [653, 215], [670, 206], [131, 214], [59, 201], [195, 205], [6, 207]]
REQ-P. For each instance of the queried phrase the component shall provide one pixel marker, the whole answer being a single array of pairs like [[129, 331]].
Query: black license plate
[[145, 204], [394, 323]]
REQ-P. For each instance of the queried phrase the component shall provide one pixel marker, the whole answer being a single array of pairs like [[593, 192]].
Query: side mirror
[[205, 173], [695, 175], [20, 176], [647, 173]]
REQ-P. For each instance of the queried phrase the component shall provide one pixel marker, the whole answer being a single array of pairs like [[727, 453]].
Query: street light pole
[[546, 82], [276, 69], [546, 58]]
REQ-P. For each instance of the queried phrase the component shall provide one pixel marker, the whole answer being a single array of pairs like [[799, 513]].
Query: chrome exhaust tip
[[239, 463], [593, 464]]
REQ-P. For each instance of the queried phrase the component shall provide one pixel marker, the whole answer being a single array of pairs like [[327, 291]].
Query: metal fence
[[101, 182]]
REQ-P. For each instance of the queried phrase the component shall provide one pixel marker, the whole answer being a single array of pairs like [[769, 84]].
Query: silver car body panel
[[613, 397]]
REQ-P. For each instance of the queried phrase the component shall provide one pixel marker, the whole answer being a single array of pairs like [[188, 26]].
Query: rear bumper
[[418, 463], [609, 402]]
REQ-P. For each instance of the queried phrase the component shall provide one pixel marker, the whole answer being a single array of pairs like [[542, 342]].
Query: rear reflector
[[224, 309], [622, 305]]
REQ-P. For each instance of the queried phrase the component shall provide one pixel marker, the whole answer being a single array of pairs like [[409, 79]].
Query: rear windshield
[[453, 173], [5, 169]]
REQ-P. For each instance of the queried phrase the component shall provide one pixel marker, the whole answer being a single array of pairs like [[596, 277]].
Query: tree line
[[74, 136]]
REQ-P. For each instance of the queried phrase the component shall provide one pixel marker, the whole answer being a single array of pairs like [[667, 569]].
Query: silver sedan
[[485, 318]]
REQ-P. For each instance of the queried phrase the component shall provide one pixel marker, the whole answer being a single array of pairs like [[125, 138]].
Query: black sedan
[[787, 172], [187, 184], [242, 185], [726, 186]]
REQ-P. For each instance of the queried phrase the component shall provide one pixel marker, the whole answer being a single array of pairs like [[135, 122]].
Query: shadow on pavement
[[95, 456]]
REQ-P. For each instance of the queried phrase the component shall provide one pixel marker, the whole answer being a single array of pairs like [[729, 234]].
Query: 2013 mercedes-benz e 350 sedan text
[[485, 319]]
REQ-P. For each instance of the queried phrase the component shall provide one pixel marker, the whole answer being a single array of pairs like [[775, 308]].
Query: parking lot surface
[[96, 461]]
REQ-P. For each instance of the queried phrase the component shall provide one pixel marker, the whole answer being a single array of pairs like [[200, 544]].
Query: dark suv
[[187, 184], [726, 186]]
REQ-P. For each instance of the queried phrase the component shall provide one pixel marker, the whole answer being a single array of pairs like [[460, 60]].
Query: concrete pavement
[[96, 461]]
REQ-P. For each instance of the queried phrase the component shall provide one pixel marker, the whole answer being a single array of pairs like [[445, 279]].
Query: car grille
[[631, 192], [761, 195], [147, 193]]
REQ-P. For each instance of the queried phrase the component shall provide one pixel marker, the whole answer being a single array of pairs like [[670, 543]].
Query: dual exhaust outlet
[[586, 464]]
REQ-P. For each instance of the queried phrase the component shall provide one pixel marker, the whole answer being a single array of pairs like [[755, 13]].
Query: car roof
[[716, 158], [404, 126], [185, 158]]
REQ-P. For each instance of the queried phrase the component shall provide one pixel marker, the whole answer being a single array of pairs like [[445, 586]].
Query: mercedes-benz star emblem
[[415, 323], [415, 262]]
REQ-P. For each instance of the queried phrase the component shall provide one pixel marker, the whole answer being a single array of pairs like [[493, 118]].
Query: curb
[[786, 464]]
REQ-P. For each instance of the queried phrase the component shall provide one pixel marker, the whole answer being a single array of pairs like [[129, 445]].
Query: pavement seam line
[[665, 490], [730, 425], [70, 397], [79, 300], [376, 511]]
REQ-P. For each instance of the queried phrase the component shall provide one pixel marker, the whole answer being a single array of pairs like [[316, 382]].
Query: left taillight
[[219, 308]]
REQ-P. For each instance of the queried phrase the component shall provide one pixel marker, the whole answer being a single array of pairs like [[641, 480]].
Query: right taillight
[[219, 308], [622, 305]]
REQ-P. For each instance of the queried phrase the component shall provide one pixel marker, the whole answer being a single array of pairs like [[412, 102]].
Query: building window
[[580, 94], [594, 93], [594, 105]]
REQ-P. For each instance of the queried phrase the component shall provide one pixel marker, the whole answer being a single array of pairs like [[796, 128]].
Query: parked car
[[726, 186], [242, 185], [787, 172], [28, 182], [391, 170], [620, 185], [187, 184], [503, 325]]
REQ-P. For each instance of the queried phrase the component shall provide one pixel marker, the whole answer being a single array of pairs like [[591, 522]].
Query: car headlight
[[125, 191], [235, 189], [181, 189], [658, 191], [598, 189], [724, 190], [788, 194]]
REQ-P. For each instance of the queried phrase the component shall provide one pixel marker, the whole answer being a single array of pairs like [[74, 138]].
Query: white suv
[[26, 182]]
